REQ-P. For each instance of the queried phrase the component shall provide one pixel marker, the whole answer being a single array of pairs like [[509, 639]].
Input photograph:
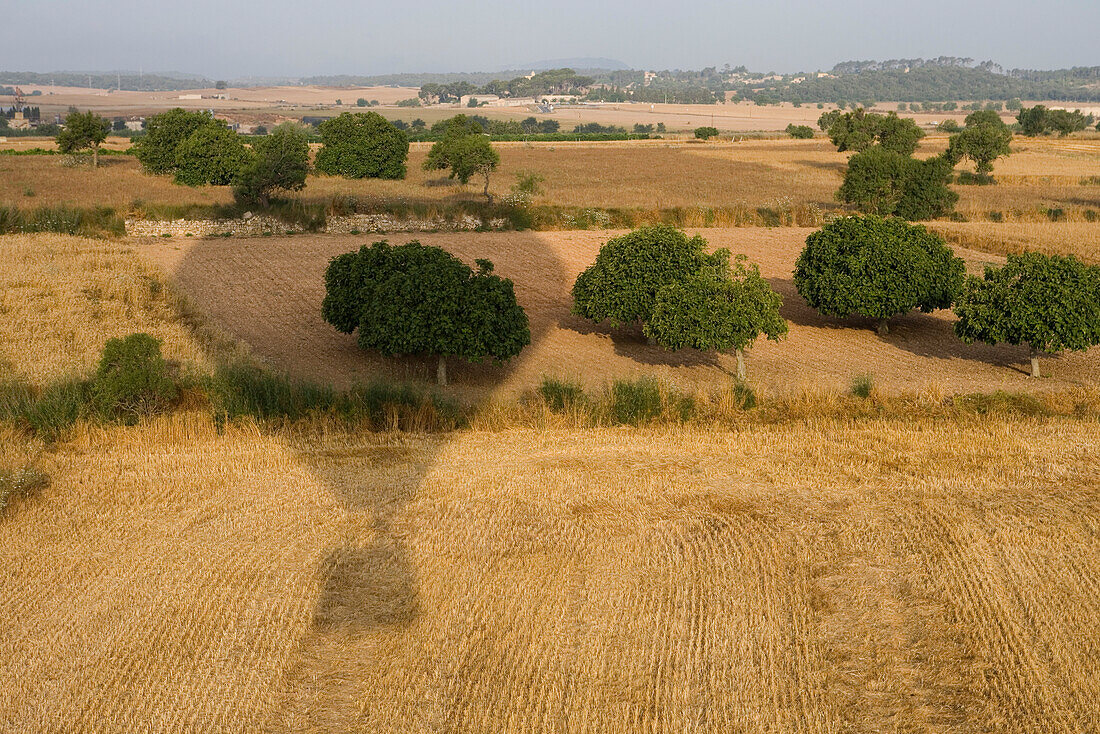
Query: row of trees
[[552, 81], [1039, 120], [414, 299], [198, 150]]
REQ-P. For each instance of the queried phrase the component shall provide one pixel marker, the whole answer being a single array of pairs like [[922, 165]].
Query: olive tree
[[280, 163], [83, 130], [362, 145], [465, 154], [622, 285], [984, 139], [1049, 302], [717, 308], [877, 268], [416, 299]]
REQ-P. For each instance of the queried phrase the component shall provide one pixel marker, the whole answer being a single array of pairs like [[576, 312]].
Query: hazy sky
[[222, 38]]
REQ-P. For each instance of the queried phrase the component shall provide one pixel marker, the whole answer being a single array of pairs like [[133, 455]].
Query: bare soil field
[[267, 292], [1040, 175], [812, 577]]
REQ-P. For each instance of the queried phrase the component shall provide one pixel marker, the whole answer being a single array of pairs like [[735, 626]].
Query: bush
[[862, 386], [561, 396], [132, 379], [803, 132], [706, 132], [362, 145], [156, 149], [877, 268], [633, 402], [281, 163]]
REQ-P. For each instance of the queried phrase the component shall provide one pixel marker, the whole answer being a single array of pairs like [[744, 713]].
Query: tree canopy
[[416, 299], [81, 131], [280, 163], [717, 308], [984, 139], [156, 150], [212, 154], [1049, 302], [362, 145], [622, 285], [883, 182], [877, 268], [859, 130], [464, 152]]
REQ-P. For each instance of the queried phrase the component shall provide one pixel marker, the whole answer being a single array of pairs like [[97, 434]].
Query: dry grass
[[814, 577], [648, 175], [1052, 238], [62, 297]]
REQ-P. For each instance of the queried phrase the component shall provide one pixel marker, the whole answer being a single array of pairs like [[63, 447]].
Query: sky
[[293, 38]]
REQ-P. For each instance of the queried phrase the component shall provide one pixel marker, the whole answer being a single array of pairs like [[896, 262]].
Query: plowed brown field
[[268, 292]]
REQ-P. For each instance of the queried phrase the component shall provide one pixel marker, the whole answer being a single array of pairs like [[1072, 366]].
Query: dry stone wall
[[257, 226]]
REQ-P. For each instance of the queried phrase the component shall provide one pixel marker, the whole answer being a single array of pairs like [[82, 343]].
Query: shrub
[[883, 182], [877, 268], [132, 379], [706, 132], [362, 145], [633, 402], [156, 149], [800, 131], [561, 396], [862, 386], [281, 163]]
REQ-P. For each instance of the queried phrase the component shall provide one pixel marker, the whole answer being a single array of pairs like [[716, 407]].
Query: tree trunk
[[488, 196], [441, 372], [740, 363], [95, 156], [883, 327], [1034, 362]]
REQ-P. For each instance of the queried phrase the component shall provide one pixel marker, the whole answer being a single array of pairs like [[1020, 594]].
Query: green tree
[[800, 131], [362, 145], [622, 285], [706, 133], [828, 119], [880, 181], [212, 154], [1049, 302], [416, 299], [877, 268], [280, 163], [984, 139], [83, 130], [1034, 120], [156, 150], [859, 130], [1065, 122], [464, 152], [717, 308], [220, 85]]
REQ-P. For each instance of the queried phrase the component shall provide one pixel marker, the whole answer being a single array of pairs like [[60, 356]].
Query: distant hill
[[583, 63]]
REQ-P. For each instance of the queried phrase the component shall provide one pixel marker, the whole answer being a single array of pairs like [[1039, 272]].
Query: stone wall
[[257, 226]]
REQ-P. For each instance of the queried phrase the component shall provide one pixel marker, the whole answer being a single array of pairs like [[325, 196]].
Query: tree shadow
[[628, 341], [920, 334], [367, 577]]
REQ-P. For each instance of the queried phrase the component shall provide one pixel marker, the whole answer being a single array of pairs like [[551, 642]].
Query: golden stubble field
[[267, 293], [818, 575], [812, 577]]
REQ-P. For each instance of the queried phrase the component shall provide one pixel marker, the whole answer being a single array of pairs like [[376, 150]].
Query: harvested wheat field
[[820, 577], [267, 292]]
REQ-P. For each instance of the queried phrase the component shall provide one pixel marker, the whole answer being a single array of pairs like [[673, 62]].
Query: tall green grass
[[96, 221]]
